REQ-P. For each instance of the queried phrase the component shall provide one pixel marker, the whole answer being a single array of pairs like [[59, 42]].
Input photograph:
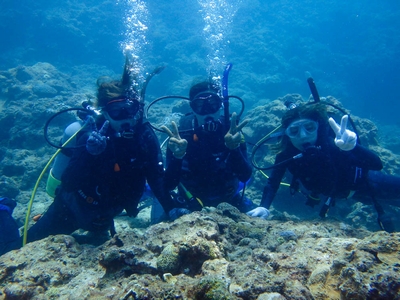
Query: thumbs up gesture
[[97, 141], [345, 139]]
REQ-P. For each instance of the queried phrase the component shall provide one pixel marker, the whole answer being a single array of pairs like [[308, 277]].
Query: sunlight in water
[[136, 19], [217, 16]]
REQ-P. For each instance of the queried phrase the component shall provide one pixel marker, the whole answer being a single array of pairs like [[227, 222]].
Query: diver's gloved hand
[[175, 213], [97, 141], [259, 212], [234, 137], [345, 139], [7, 204], [176, 144]]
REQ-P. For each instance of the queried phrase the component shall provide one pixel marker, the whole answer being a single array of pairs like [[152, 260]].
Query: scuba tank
[[62, 159], [64, 153]]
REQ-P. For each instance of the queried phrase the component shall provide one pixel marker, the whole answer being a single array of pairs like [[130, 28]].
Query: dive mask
[[206, 103], [122, 108], [301, 128]]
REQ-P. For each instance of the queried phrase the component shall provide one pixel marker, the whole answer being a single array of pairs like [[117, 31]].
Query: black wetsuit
[[96, 188], [209, 170]]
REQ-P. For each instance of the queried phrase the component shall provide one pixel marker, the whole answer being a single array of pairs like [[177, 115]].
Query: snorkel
[[313, 89], [156, 71], [225, 95], [314, 92], [126, 127]]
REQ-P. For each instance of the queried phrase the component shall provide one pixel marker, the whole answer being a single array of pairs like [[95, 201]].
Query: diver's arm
[[235, 142], [154, 169], [173, 171], [274, 181], [239, 162], [366, 158]]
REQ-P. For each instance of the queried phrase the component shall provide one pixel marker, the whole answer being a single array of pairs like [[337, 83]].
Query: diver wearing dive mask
[[209, 156], [206, 106], [302, 133], [123, 114]]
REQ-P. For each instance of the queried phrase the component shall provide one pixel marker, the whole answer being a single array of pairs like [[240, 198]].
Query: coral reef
[[209, 257]]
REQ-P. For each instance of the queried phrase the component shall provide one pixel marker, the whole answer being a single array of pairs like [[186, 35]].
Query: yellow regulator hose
[[28, 213]]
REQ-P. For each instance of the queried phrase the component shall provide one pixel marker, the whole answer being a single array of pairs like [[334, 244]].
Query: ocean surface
[[351, 48]]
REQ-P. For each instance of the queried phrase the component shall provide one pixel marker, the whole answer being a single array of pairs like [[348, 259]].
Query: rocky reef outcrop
[[218, 253]]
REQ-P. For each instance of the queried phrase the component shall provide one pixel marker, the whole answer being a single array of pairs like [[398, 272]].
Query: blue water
[[351, 48]]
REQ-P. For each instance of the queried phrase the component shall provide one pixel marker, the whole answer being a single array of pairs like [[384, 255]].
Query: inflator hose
[[28, 213]]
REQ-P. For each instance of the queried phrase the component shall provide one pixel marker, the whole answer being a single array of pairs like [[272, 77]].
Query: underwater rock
[[43, 90], [23, 74], [319, 275], [169, 260], [211, 288], [19, 92], [168, 277], [288, 235], [8, 187], [270, 296], [230, 211], [17, 292], [182, 107], [209, 256], [29, 96]]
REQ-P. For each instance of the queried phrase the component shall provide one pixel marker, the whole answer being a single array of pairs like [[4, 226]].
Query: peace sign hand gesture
[[97, 141], [234, 136], [176, 144], [345, 139]]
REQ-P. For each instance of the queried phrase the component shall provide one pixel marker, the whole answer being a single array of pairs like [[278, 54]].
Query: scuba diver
[[208, 155], [327, 160], [109, 167], [8, 227]]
